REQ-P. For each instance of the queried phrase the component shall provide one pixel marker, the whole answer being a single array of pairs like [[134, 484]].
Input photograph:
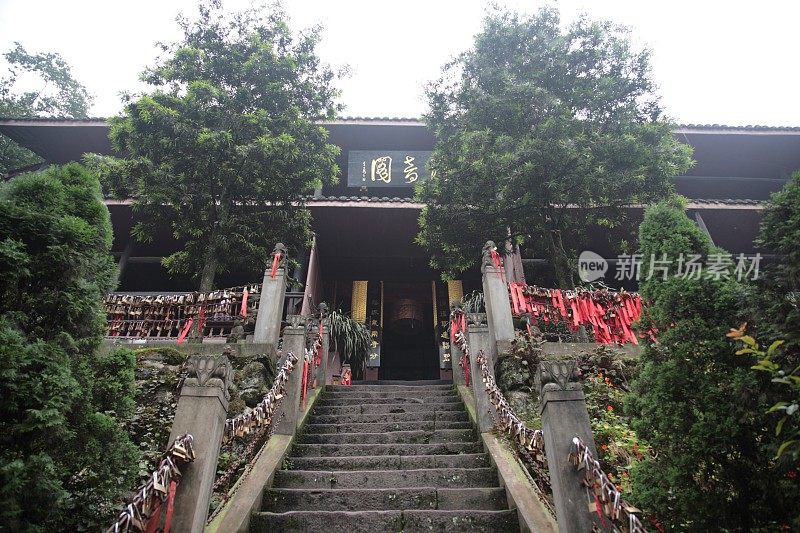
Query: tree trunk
[[565, 274], [209, 272]]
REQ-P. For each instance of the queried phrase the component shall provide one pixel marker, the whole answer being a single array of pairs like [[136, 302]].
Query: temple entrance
[[409, 349]]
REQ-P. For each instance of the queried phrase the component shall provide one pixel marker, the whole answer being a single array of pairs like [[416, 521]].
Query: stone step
[[406, 400], [416, 383], [371, 408], [378, 479], [399, 437], [417, 416], [389, 462], [484, 499], [415, 392], [372, 521], [332, 450], [398, 386], [380, 427]]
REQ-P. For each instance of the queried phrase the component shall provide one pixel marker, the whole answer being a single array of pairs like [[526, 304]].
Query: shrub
[[63, 455]]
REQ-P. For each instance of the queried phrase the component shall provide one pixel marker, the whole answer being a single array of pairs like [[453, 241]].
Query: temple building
[[364, 258]]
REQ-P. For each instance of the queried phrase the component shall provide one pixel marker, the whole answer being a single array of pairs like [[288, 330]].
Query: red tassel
[[275, 260], [514, 299], [185, 331], [243, 310], [170, 505], [304, 383]]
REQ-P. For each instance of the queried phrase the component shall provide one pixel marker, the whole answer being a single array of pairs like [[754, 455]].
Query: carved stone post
[[294, 340], [270, 307], [201, 410], [498, 305], [480, 340], [564, 416]]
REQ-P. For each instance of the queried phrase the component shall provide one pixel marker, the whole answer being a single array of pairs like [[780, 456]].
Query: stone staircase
[[392, 456]]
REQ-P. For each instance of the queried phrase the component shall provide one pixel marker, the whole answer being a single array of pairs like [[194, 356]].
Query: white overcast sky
[[723, 62]]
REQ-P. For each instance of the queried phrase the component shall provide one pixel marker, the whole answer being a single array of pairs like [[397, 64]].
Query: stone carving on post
[[273, 293], [486, 260], [209, 371], [498, 304], [201, 411], [564, 416]]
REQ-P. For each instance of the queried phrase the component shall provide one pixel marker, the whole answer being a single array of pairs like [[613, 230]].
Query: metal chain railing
[[261, 415], [607, 497], [258, 424], [528, 442], [146, 504]]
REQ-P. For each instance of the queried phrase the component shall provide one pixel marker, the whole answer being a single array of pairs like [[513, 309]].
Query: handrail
[[146, 504]]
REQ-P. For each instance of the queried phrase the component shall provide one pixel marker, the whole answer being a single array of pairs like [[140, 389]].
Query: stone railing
[[581, 500], [200, 426]]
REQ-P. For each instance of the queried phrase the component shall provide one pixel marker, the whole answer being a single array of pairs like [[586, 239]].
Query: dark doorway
[[409, 349]]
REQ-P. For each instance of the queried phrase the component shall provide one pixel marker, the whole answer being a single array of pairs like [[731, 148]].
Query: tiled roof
[[727, 201], [54, 119], [709, 202], [716, 127], [373, 199], [709, 127]]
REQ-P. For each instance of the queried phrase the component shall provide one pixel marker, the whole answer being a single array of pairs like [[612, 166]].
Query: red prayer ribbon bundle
[[243, 309], [610, 314], [276, 259]]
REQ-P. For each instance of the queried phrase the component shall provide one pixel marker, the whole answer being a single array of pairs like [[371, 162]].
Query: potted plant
[[350, 338]]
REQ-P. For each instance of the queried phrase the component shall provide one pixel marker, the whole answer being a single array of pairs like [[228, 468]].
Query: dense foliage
[[223, 149], [779, 286], [63, 455], [57, 94], [533, 122], [695, 401]]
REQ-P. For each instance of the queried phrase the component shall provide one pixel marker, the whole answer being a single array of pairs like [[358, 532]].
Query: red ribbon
[[304, 383], [243, 309], [610, 315], [319, 348], [599, 508], [465, 366], [185, 331], [201, 320], [155, 519], [275, 260], [173, 485]]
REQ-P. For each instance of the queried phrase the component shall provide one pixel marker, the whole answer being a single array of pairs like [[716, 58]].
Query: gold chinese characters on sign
[[381, 169], [387, 168]]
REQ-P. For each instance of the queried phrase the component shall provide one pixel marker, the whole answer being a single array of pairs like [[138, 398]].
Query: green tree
[[779, 285], [226, 146], [695, 401], [56, 94], [63, 455], [533, 122]]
